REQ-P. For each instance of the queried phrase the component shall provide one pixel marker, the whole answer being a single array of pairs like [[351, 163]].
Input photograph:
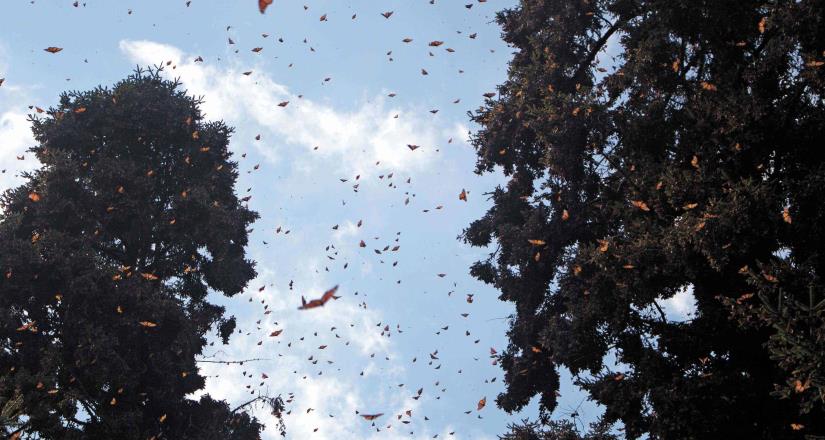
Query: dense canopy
[[656, 232], [109, 252], [656, 149]]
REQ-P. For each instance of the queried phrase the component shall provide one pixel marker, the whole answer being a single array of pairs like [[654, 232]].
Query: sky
[[331, 169]]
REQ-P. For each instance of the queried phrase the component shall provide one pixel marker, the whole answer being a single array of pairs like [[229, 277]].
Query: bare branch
[[231, 362]]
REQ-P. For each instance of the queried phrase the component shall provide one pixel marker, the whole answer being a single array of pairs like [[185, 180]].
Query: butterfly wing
[[329, 294], [371, 416], [263, 4]]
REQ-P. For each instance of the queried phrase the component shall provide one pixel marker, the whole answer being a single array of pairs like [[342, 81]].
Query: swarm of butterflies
[[331, 294]]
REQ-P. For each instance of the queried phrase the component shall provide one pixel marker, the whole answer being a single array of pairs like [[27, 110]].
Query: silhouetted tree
[[655, 148], [107, 254], [556, 430]]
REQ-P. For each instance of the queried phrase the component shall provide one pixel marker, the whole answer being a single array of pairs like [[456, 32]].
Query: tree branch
[[249, 402], [661, 312], [598, 47], [231, 362]]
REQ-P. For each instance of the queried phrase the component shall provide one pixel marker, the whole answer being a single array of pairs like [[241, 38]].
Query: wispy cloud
[[15, 139], [681, 306], [15, 129], [352, 141], [352, 372], [317, 358]]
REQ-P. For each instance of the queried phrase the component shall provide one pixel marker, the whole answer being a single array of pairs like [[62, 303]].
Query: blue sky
[[351, 119]]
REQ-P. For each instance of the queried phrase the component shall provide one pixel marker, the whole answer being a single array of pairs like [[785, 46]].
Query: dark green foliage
[[669, 167], [108, 253], [556, 430]]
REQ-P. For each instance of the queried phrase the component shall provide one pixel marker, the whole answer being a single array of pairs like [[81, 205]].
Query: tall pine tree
[[656, 148], [107, 254]]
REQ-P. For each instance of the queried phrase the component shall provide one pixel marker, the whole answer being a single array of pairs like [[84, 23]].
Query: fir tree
[[652, 149], [109, 251]]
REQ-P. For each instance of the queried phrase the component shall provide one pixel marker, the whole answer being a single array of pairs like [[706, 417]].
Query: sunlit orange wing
[[371, 416], [329, 294], [263, 4]]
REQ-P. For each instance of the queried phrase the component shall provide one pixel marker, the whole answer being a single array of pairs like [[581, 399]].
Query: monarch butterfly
[[263, 4], [371, 416]]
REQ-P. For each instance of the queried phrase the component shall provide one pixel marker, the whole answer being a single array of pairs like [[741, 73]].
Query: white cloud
[[15, 138], [352, 140], [15, 129], [346, 232], [682, 306], [353, 343]]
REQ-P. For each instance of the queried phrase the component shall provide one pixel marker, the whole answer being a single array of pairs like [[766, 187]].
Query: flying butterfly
[[329, 294], [263, 4], [371, 416]]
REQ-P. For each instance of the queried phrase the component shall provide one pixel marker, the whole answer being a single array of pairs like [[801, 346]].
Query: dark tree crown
[[691, 160], [108, 253]]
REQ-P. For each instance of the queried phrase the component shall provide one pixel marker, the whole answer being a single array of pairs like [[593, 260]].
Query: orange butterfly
[[371, 416], [329, 294], [263, 4]]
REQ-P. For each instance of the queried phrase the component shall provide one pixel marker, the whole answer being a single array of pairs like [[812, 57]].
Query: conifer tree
[[656, 149], [107, 255]]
